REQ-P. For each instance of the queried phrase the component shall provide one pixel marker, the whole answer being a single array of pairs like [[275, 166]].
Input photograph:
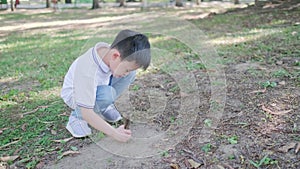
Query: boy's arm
[[98, 123]]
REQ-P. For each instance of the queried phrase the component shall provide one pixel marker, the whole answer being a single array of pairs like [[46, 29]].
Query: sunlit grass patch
[[32, 113], [37, 56]]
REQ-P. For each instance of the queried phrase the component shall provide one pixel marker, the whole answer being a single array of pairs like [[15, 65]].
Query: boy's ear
[[115, 54]]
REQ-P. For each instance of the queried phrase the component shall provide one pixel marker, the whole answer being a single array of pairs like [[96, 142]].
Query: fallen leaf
[[174, 166], [70, 152], [297, 148], [282, 83], [24, 127], [8, 158], [63, 140], [275, 112], [64, 114], [287, 147], [279, 62], [193, 163], [258, 91], [53, 132]]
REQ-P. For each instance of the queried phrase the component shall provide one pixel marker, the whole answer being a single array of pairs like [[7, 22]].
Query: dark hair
[[133, 46]]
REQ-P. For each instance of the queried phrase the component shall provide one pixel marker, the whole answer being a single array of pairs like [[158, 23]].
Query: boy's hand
[[123, 134]]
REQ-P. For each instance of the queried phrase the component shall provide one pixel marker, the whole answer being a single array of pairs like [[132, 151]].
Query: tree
[[179, 3], [236, 1], [198, 2], [47, 3], [95, 4], [122, 3], [12, 5]]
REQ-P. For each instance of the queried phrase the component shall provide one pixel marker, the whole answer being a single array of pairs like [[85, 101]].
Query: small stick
[[126, 123]]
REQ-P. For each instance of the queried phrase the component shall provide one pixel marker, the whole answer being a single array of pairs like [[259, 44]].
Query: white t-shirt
[[84, 75]]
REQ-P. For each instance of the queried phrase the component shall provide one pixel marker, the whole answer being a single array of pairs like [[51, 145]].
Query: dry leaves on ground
[[8, 144], [63, 140], [174, 166], [33, 111], [274, 112], [8, 158], [287, 147], [193, 163], [70, 152]]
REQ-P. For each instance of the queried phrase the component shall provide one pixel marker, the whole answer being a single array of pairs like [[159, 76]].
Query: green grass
[[33, 65], [265, 161], [260, 37], [37, 57], [253, 36]]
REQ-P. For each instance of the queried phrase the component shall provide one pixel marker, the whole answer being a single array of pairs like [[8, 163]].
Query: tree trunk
[[256, 2], [179, 3], [95, 4], [12, 5], [47, 3], [199, 1], [236, 1], [122, 3], [143, 4]]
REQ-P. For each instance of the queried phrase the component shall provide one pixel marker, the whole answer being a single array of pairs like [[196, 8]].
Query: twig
[[33, 111], [63, 140], [45, 122], [8, 144], [126, 123], [275, 113], [188, 152], [191, 137], [258, 91]]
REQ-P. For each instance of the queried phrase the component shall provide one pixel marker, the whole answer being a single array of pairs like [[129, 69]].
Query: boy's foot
[[78, 128], [111, 114]]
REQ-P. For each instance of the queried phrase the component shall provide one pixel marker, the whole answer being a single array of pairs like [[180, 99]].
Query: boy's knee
[[105, 95]]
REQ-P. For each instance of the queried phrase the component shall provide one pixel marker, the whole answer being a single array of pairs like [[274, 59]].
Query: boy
[[97, 78]]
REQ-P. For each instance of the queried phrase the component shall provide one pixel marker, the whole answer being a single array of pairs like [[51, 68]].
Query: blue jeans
[[106, 95]]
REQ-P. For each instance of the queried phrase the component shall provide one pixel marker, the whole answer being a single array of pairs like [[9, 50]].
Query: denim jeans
[[107, 94]]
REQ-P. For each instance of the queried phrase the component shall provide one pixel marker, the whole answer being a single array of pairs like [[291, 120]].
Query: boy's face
[[121, 68]]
